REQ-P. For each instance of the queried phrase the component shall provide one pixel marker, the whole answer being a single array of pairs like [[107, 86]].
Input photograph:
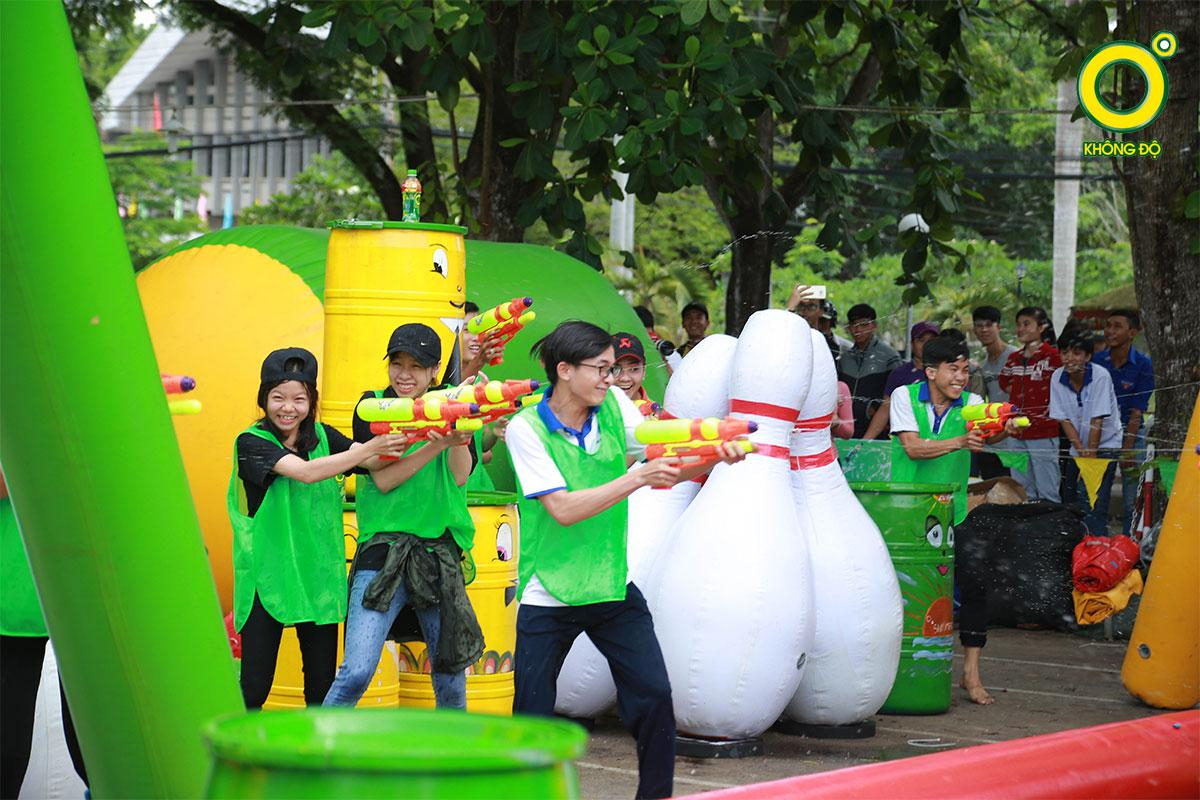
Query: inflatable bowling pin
[[698, 388], [732, 604], [858, 610]]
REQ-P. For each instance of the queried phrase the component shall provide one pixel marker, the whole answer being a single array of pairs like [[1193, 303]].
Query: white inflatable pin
[[859, 614], [731, 591]]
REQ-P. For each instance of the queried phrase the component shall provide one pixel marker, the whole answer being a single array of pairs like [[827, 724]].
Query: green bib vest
[[20, 611], [953, 468], [291, 552], [425, 505], [480, 480], [586, 562]]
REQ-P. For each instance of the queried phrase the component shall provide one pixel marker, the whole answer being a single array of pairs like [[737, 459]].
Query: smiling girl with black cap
[[285, 504], [413, 529]]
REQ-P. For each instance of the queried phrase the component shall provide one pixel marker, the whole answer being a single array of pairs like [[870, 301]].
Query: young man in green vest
[[571, 455], [931, 444]]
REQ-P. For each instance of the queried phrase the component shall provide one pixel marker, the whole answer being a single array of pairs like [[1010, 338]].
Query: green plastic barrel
[[916, 522], [409, 753]]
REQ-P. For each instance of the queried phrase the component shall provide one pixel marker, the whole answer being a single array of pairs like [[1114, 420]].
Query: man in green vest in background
[[931, 444], [571, 455]]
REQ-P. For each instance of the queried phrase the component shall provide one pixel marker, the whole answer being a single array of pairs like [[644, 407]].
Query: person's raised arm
[[918, 449], [394, 473], [319, 469], [568, 507], [880, 420]]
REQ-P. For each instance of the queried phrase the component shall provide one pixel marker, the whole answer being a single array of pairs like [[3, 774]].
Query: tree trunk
[[416, 135], [1166, 276]]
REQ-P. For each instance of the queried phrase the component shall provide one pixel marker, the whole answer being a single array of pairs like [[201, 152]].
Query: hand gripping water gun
[[989, 418], [649, 408], [500, 324], [696, 441], [417, 418], [495, 399]]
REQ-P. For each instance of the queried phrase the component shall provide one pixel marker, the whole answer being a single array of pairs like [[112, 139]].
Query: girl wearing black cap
[[413, 529], [289, 561]]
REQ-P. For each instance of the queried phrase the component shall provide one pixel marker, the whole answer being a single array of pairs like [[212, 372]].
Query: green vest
[[480, 480], [586, 562], [425, 505], [953, 468], [291, 552], [20, 611]]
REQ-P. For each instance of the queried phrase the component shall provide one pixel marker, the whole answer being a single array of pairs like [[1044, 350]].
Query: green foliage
[[154, 183], [990, 279], [105, 34], [329, 188], [665, 290]]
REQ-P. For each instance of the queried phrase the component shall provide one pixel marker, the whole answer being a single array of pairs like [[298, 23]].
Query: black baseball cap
[[274, 366], [419, 341], [626, 345]]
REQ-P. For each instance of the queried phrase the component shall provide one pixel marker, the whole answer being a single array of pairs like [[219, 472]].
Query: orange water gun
[[990, 418], [500, 324], [417, 418]]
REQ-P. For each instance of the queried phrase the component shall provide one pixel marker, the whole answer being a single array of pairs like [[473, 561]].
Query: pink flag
[[202, 207], [157, 124]]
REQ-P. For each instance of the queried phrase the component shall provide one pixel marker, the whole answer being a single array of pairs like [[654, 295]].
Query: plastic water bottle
[[411, 189]]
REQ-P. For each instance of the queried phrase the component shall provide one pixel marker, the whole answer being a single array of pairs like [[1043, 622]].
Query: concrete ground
[[1043, 682]]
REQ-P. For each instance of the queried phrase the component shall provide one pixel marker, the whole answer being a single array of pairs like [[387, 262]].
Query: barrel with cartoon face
[[378, 276], [916, 521]]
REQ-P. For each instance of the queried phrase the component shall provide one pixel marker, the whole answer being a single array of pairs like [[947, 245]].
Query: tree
[[1162, 195], [147, 190], [327, 189]]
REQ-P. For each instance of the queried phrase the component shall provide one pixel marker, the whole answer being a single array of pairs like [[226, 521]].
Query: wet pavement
[[1043, 681]]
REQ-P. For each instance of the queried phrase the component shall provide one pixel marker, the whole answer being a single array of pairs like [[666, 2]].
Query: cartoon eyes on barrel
[[441, 262], [933, 532], [504, 542]]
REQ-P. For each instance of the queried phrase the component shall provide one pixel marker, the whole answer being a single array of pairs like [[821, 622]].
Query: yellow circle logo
[[1145, 60]]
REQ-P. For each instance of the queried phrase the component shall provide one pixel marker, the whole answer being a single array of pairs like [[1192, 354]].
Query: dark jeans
[[971, 562], [260, 648], [21, 660], [623, 632]]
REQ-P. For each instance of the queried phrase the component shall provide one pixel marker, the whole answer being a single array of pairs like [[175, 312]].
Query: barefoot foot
[[977, 693]]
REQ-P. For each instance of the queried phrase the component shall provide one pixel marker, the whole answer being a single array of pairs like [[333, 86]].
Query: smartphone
[[813, 292]]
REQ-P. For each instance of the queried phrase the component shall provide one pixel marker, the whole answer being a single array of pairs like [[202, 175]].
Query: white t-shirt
[[904, 419], [539, 475], [1098, 398]]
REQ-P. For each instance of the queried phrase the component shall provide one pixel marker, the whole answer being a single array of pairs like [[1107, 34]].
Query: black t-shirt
[[374, 556], [257, 457]]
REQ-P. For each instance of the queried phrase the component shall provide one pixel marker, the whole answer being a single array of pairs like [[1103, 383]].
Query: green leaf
[[521, 86], [586, 48], [946, 200], [319, 16], [513, 142], [719, 11], [834, 17], [689, 126], [914, 258], [644, 25], [691, 48], [601, 35], [448, 97], [619, 58], [691, 12], [1094, 23], [366, 34], [1191, 206]]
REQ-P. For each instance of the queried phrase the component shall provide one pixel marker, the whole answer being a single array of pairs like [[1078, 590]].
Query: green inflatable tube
[[87, 443]]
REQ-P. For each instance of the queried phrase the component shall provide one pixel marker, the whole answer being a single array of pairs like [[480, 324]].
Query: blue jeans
[[366, 630], [1131, 482], [1096, 515]]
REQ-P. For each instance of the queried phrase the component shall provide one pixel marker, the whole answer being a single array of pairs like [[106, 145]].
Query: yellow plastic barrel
[[287, 690], [378, 276], [493, 595]]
